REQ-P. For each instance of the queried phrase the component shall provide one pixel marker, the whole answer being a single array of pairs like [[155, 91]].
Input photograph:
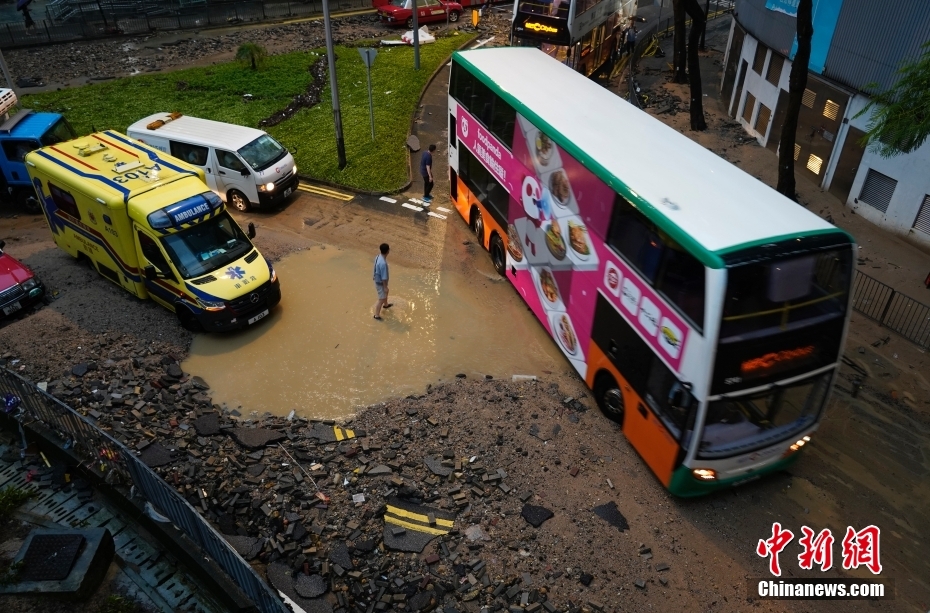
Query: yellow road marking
[[322, 191], [415, 527], [418, 516], [343, 435]]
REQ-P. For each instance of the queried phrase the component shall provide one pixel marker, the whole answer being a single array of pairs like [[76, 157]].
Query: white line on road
[[410, 206], [386, 199], [439, 208], [432, 214]]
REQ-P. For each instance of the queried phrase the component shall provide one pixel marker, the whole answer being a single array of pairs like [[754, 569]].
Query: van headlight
[[29, 284], [295, 169], [210, 305], [267, 187]]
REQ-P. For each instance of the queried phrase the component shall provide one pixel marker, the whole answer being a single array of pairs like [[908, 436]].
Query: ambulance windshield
[[207, 246]]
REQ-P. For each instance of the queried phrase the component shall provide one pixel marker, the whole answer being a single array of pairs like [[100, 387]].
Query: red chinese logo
[[859, 548], [773, 546], [819, 549]]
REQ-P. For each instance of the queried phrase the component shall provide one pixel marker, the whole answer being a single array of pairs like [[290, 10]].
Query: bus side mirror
[[150, 273], [680, 396], [251, 233]]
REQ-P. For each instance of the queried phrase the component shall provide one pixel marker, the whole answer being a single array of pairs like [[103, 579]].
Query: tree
[[680, 52], [797, 83], [900, 120], [252, 54], [698, 22]]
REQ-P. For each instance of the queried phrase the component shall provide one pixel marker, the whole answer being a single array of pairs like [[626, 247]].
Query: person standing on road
[[381, 280], [426, 171], [631, 33]]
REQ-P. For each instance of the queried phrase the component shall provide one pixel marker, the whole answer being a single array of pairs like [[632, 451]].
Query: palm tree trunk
[[698, 23], [797, 82]]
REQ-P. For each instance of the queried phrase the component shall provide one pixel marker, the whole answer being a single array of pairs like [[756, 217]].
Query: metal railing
[[103, 454], [66, 22], [896, 311]]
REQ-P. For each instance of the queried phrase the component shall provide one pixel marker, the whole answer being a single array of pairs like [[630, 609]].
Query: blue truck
[[21, 133]]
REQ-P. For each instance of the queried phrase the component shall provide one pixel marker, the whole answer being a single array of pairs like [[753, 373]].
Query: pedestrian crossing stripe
[[416, 522], [341, 434], [322, 191]]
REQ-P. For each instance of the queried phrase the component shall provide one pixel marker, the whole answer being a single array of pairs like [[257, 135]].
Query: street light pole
[[706, 17], [334, 85], [416, 36]]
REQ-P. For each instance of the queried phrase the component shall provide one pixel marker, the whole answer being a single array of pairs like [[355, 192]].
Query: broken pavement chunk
[[609, 513], [436, 467], [254, 438], [310, 587], [535, 515]]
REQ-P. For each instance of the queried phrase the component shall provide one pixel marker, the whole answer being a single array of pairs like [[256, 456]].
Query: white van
[[244, 166]]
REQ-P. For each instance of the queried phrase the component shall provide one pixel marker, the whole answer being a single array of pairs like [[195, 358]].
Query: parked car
[[19, 287], [400, 13]]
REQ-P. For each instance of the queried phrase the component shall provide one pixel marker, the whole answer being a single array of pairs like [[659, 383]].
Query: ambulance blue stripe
[[86, 175], [151, 154], [103, 244], [202, 294]]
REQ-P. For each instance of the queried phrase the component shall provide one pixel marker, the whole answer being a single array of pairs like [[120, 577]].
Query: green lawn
[[216, 92]]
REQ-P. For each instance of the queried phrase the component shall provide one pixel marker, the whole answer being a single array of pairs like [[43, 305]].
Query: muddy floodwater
[[322, 354]]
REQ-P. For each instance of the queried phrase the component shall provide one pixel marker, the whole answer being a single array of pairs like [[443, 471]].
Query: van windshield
[[207, 246], [262, 152]]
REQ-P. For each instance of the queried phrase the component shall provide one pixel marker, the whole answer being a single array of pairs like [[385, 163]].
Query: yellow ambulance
[[149, 223]]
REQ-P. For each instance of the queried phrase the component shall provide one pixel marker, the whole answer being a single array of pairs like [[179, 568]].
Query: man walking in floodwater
[[426, 171], [381, 280]]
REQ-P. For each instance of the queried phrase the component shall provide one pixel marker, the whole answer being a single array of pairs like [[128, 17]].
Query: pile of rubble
[[417, 503]]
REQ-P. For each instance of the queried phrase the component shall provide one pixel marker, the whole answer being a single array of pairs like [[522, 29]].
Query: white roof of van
[[204, 131]]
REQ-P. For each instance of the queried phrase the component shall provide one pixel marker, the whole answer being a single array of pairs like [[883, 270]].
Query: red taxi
[[400, 13], [19, 288]]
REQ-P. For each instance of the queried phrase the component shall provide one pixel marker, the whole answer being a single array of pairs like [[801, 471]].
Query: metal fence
[[896, 311], [103, 454], [85, 21]]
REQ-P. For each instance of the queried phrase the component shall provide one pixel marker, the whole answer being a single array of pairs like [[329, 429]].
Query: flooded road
[[322, 354]]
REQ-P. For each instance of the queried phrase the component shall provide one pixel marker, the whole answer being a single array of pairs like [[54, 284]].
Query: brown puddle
[[322, 354]]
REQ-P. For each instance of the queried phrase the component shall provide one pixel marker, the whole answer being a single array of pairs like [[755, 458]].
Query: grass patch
[[10, 498], [216, 92]]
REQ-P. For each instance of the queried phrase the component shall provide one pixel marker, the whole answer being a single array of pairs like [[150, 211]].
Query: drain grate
[[51, 556]]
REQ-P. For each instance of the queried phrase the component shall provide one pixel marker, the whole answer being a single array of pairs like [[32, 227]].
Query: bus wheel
[[497, 255], [609, 397], [187, 319], [238, 200], [478, 226]]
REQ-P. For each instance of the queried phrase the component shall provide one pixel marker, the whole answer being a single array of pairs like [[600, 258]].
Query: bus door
[[658, 409]]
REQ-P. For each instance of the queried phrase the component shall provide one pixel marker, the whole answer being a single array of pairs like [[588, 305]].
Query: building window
[[749, 107], [762, 120], [809, 98], [773, 74], [797, 151], [922, 222], [759, 60], [814, 163], [877, 190], [831, 110]]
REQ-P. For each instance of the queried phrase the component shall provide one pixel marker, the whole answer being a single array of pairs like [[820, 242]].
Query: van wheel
[[477, 224], [609, 397], [497, 255], [187, 319], [238, 200]]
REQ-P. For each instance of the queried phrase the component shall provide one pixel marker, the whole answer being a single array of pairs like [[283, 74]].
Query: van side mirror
[[245, 172], [150, 273], [251, 231]]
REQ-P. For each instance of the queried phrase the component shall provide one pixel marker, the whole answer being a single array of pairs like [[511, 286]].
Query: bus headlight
[[800, 443], [704, 474], [210, 305]]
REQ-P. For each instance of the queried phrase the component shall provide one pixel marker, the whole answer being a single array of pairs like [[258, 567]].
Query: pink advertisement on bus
[[558, 214]]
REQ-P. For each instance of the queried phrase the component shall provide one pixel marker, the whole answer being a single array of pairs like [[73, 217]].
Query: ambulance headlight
[[210, 305], [274, 275]]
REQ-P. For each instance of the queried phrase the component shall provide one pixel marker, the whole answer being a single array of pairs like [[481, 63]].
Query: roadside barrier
[[107, 456], [896, 311]]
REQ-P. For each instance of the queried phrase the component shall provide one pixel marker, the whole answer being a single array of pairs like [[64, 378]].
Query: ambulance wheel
[[609, 397], [497, 255], [188, 321], [238, 200]]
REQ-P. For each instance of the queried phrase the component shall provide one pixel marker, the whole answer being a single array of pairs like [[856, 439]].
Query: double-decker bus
[[706, 311], [578, 33]]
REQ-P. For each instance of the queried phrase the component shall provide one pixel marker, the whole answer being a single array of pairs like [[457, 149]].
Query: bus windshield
[[550, 8], [207, 246], [768, 297], [742, 424], [262, 152]]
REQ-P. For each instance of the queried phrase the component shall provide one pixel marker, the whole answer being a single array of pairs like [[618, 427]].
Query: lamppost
[[334, 85]]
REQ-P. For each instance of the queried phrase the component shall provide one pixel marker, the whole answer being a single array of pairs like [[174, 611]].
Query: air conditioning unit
[[7, 100]]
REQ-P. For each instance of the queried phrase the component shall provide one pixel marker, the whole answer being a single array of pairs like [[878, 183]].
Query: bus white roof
[[199, 131], [718, 204]]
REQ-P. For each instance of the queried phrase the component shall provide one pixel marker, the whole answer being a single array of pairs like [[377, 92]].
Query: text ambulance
[[149, 223]]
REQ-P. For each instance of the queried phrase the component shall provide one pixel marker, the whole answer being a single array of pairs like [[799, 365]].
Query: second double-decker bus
[[706, 311], [579, 33]]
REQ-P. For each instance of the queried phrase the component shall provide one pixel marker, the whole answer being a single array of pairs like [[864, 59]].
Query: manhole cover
[[51, 556]]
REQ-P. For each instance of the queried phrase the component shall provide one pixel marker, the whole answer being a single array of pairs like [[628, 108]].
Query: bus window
[[663, 263], [768, 297], [492, 111], [484, 186], [503, 122]]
